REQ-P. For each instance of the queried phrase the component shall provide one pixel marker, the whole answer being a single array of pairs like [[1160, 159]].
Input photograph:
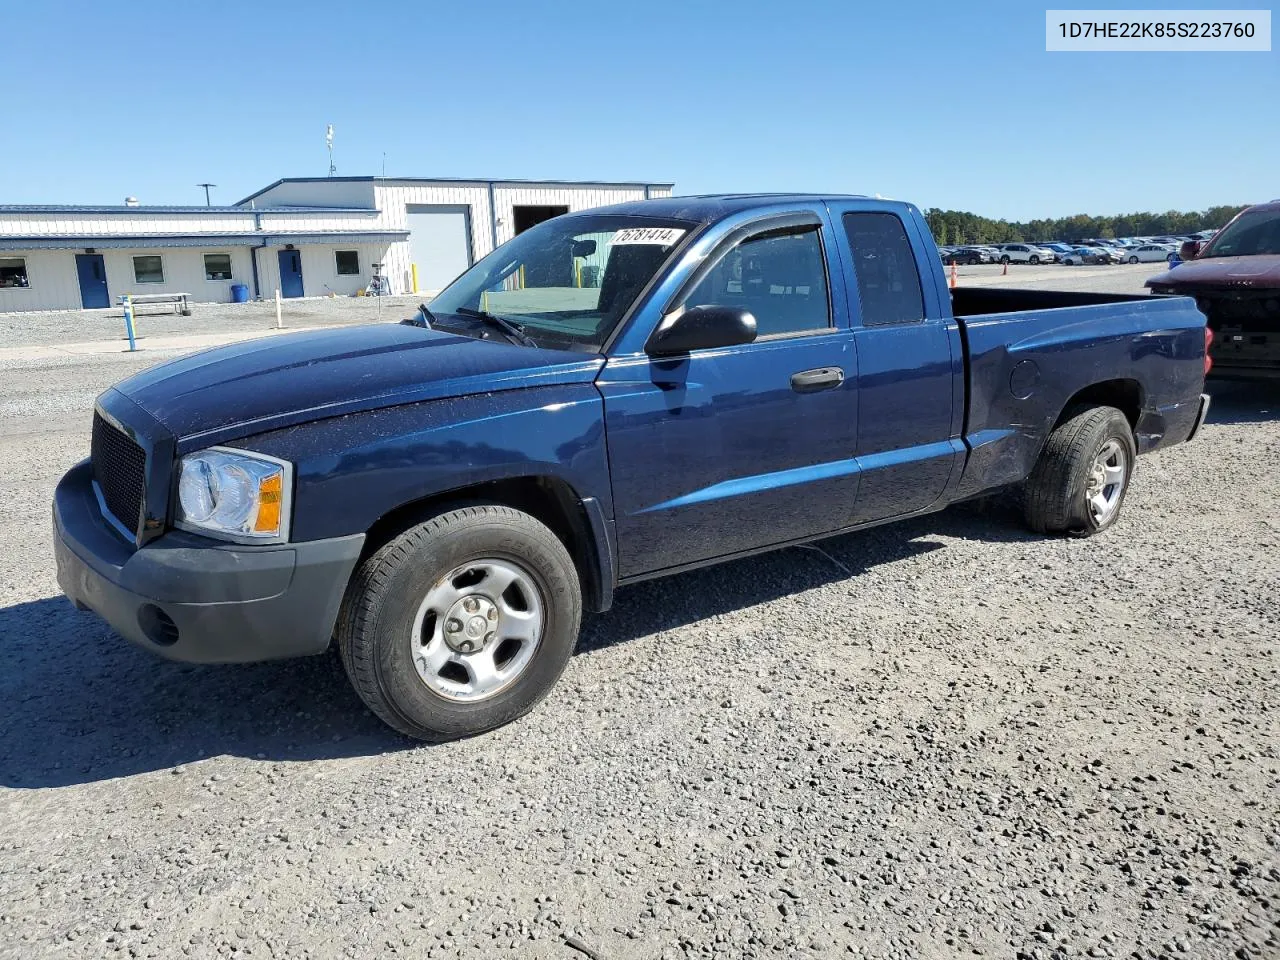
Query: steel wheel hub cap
[[1107, 477], [470, 624], [477, 629]]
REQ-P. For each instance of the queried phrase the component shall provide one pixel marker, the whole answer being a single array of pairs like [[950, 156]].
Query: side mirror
[[583, 248], [699, 328], [1190, 249]]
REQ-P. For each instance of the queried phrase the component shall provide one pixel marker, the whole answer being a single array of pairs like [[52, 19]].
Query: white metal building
[[450, 223], [304, 236]]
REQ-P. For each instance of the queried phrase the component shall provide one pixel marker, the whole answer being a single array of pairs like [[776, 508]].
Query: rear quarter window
[[888, 278]]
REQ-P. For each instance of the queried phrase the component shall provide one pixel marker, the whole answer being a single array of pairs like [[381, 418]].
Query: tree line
[[959, 227]]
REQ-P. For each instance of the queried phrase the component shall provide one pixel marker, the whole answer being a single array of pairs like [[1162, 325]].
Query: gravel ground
[[939, 738], [45, 328]]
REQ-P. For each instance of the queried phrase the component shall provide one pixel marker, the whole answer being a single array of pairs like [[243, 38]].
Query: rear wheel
[[1171, 257], [1004, 259], [1079, 483], [462, 623]]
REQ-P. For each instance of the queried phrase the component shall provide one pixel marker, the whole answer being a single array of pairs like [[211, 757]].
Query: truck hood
[[246, 388], [1250, 273]]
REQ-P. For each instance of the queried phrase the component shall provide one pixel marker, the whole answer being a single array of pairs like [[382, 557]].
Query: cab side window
[[780, 276], [886, 270]]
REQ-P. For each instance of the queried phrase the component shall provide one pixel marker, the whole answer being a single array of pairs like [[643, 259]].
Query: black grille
[[119, 467]]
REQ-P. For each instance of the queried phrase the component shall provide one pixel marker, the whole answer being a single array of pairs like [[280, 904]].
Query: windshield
[[569, 280], [1253, 233]]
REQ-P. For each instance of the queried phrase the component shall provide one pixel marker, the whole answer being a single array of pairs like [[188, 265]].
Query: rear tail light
[[1208, 342]]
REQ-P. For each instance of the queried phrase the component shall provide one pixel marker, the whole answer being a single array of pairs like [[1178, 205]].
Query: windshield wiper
[[512, 330], [425, 318]]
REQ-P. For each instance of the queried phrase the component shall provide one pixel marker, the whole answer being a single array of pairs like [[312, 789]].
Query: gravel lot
[[940, 738]]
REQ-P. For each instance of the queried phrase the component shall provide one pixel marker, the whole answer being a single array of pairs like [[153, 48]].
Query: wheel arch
[[1123, 393], [577, 521]]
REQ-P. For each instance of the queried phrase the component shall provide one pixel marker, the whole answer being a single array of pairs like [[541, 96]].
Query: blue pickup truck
[[616, 394]]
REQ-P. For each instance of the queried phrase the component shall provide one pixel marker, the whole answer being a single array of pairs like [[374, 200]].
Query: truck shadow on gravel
[[1243, 401], [79, 705], [687, 598]]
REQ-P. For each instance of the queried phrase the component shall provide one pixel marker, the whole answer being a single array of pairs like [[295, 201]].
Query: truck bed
[[977, 301], [1031, 354]]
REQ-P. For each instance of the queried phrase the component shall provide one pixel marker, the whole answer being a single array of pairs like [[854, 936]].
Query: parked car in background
[[1150, 253], [1100, 243], [966, 257], [1024, 253], [1058, 249], [1089, 255], [1235, 278]]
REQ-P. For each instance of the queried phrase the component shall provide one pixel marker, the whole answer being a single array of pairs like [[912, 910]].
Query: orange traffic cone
[[953, 274]]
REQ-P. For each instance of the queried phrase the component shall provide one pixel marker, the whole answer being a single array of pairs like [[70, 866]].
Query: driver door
[[727, 450]]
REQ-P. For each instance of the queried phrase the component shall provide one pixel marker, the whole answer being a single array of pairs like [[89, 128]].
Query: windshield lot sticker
[[661, 236]]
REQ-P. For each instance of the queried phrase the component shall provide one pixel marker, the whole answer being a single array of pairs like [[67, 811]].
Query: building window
[[148, 270], [217, 266], [348, 262], [13, 272]]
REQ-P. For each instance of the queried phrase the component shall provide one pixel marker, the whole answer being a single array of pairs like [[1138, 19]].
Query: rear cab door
[[910, 359]]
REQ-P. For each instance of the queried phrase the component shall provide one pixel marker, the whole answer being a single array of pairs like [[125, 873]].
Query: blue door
[[290, 273], [910, 367], [724, 451], [93, 281]]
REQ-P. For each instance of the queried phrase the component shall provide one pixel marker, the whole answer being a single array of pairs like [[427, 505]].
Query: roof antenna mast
[[328, 139]]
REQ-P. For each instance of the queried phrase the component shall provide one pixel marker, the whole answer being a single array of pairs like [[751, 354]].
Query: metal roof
[[255, 239], [208, 211], [496, 181]]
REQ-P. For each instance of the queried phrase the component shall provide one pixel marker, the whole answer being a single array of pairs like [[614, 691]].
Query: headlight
[[234, 495]]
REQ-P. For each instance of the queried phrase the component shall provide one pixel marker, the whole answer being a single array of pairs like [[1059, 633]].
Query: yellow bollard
[[413, 276]]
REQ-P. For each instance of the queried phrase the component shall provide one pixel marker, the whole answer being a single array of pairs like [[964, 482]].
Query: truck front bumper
[[189, 598]]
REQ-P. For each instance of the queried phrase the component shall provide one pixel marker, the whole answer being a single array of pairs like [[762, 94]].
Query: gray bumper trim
[[1200, 415], [226, 603]]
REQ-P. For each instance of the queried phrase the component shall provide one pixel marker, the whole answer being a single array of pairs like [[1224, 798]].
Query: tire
[[1169, 258], [429, 579], [1133, 259], [1004, 259], [1057, 495], [1035, 260]]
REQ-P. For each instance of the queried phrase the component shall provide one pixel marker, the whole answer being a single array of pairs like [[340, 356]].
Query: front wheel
[[1133, 259], [462, 623], [1035, 260], [1079, 483]]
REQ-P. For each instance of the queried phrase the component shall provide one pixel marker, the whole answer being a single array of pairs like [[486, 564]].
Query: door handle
[[820, 378]]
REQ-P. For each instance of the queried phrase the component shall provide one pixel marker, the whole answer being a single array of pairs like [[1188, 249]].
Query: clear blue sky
[[948, 104]]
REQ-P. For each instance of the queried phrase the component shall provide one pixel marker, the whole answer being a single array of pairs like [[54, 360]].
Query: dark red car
[[1235, 279]]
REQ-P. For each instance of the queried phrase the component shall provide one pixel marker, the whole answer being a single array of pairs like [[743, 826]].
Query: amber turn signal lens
[[270, 496]]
